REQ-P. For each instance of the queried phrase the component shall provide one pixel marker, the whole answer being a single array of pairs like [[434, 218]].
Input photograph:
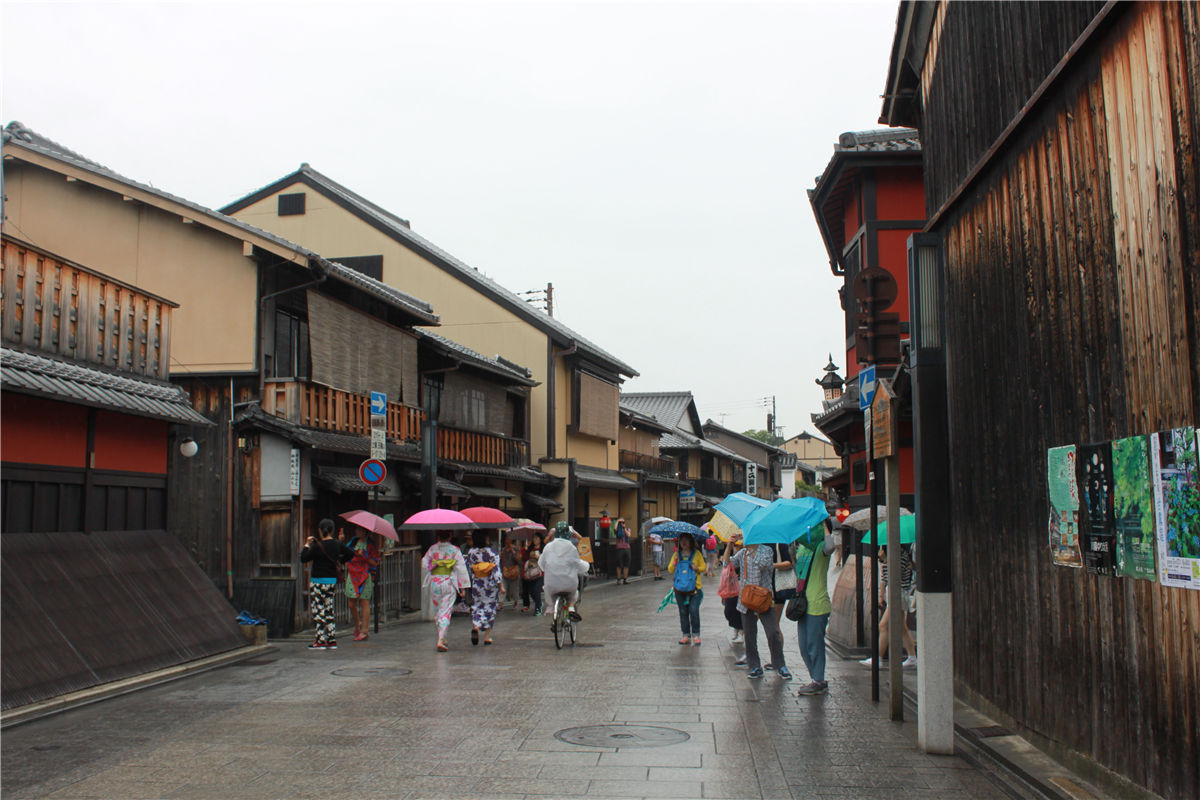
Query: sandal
[[487, 641], [441, 646]]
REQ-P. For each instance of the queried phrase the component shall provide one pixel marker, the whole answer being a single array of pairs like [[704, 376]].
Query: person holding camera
[[327, 556]]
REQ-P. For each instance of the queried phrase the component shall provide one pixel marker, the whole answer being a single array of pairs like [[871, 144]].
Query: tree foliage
[[764, 436]]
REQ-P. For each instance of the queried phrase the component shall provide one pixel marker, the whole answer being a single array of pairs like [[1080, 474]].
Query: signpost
[[378, 425], [372, 471], [866, 387], [882, 423]]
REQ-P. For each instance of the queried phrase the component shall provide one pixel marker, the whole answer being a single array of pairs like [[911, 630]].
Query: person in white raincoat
[[562, 566]]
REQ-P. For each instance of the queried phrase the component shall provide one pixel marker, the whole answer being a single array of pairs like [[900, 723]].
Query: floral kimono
[[485, 592], [445, 573], [359, 584]]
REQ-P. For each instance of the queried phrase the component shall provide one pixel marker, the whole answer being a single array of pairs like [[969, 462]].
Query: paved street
[[392, 718]]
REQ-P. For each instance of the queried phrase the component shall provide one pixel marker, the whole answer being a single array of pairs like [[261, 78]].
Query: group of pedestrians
[[756, 582], [354, 565]]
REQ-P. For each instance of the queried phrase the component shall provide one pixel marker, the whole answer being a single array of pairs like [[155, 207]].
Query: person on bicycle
[[562, 566]]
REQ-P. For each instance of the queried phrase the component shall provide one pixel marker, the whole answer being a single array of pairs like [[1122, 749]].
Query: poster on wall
[[1176, 475], [1097, 525], [1064, 506], [1133, 508]]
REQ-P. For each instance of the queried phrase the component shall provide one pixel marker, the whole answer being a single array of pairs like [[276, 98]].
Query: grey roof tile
[[76, 383], [490, 364], [23, 136]]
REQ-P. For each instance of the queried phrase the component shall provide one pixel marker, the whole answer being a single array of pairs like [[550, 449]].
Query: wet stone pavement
[[392, 718]]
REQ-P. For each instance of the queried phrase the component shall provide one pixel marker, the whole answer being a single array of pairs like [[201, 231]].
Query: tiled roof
[[748, 439], [75, 383], [526, 474], [399, 229], [681, 440], [494, 365], [17, 133], [252, 415], [345, 479], [880, 140], [444, 485], [667, 408], [603, 478]]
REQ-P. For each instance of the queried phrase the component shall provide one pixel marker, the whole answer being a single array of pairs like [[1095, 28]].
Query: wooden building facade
[[1061, 172]]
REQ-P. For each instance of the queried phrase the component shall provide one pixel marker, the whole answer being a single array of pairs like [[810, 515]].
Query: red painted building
[[867, 202]]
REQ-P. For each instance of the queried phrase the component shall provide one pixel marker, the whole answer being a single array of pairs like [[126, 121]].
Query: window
[[474, 409], [291, 204], [290, 356], [858, 474]]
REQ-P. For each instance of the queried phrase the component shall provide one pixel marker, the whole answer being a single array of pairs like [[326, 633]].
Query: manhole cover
[[622, 736], [362, 672]]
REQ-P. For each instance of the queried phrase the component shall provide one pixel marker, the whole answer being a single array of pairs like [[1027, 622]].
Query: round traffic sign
[[372, 471]]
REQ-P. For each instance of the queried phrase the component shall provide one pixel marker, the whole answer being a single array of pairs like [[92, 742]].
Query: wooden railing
[[315, 406], [482, 448], [659, 466], [715, 488], [61, 308]]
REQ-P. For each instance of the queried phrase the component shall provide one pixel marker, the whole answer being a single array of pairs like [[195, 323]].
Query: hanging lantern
[[605, 522]]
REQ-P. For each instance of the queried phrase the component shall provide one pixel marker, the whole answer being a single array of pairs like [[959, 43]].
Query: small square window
[[291, 204]]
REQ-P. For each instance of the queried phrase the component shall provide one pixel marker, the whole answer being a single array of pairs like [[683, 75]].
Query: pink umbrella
[[438, 519], [372, 522], [486, 517], [525, 524]]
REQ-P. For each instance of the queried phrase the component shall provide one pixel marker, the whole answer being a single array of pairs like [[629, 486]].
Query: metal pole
[[874, 572], [896, 617], [379, 570]]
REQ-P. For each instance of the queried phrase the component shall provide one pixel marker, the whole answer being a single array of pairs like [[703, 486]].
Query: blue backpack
[[685, 575]]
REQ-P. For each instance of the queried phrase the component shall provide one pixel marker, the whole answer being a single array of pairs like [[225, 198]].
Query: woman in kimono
[[446, 576], [360, 584], [484, 563]]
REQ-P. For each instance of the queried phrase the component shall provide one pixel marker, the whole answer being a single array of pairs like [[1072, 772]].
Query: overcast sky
[[650, 160]]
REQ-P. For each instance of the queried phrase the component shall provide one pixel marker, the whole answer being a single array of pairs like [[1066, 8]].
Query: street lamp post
[[931, 482]]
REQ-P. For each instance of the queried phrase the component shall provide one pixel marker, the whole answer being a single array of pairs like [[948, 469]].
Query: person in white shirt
[[656, 550], [562, 566]]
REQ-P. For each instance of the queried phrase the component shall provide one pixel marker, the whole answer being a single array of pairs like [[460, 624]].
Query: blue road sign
[[378, 403], [372, 472], [866, 387]]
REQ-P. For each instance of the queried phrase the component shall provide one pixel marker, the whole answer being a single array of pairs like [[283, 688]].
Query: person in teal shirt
[[811, 627]]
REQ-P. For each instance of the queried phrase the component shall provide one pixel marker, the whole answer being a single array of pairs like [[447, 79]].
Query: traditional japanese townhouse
[[657, 476], [813, 451], [280, 348], [573, 406], [1063, 182], [867, 202], [763, 461], [710, 470], [88, 421]]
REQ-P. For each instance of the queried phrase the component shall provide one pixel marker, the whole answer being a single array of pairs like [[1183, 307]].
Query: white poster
[[1176, 474]]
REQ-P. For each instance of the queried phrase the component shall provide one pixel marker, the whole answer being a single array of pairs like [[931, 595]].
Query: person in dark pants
[[623, 551], [531, 586], [728, 591], [756, 563], [326, 556]]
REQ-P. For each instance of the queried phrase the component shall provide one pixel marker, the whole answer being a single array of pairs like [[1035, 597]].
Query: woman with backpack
[[686, 568], [484, 564]]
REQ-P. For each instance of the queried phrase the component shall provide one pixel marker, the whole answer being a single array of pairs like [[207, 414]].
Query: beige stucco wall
[[814, 451], [467, 316], [200, 269]]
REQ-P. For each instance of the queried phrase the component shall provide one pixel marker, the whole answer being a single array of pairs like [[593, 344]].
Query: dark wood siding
[[1073, 300], [990, 58]]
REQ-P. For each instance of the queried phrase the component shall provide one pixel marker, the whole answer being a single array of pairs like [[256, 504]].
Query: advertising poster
[[1176, 476], [1133, 508], [1064, 506], [1097, 524]]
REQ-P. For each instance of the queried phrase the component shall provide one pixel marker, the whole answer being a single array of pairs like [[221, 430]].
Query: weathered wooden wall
[[1073, 297]]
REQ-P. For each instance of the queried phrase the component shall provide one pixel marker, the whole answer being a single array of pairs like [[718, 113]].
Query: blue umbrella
[[784, 521], [673, 529], [739, 505]]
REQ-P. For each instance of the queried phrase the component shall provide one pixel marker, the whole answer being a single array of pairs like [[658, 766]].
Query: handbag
[[511, 573], [756, 598], [729, 583], [785, 585], [797, 607]]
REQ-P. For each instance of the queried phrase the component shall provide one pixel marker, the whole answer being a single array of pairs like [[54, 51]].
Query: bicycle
[[563, 626]]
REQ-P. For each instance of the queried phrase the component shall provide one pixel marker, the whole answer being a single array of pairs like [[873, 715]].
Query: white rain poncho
[[562, 566]]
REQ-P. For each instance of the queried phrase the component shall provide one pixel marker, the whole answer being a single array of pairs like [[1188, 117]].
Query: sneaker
[[785, 673], [315, 646], [686, 640], [816, 687], [331, 646], [909, 663], [575, 616], [537, 613], [741, 662], [768, 667], [696, 641], [866, 662], [738, 638], [755, 673]]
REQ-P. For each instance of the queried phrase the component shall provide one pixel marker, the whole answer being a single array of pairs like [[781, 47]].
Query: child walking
[[687, 568]]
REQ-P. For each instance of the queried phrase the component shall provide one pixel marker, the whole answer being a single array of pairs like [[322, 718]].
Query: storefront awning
[[444, 486], [345, 479], [603, 478], [490, 491]]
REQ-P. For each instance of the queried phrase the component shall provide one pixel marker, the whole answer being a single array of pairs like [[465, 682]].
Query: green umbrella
[[908, 531]]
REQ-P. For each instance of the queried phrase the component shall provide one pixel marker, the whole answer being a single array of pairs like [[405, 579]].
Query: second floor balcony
[[648, 463], [314, 405], [716, 488]]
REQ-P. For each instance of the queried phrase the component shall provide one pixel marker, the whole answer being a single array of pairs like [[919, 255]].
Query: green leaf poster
[[1064, 506], [1133, 507], [1176, 474]]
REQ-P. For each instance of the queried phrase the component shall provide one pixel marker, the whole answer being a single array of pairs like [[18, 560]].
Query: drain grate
[[622, 736], [363, 672]]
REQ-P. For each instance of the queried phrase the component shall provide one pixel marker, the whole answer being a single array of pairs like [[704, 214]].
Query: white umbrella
[[861, 519], [660, 520]]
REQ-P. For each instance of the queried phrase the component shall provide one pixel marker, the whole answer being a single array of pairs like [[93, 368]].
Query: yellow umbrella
[[725, 528]]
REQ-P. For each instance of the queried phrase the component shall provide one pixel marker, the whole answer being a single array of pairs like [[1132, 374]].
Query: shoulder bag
[[338, 566], [797, 607], [756, 598]]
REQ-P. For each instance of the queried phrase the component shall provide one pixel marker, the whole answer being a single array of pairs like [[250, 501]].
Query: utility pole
[[542, 298]]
